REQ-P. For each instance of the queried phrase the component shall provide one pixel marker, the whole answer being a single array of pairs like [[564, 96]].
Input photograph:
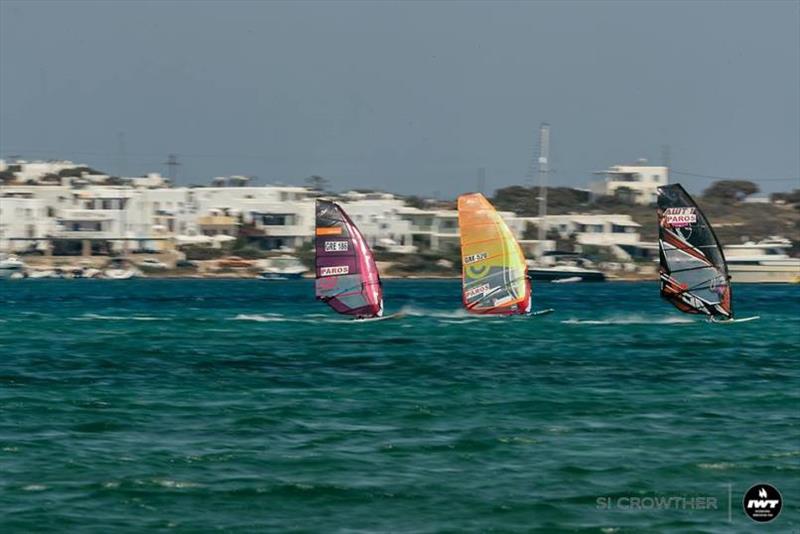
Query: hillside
[[733, 221]]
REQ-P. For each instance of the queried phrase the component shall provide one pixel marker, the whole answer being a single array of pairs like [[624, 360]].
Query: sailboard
[[693, 272], [397, 315], [742, 320], [494, 273], [347, 277]]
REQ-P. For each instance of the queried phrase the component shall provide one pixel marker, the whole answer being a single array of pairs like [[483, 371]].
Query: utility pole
[[544, 169], [122, 158], [666, 157], [172, 167], [481, 179]]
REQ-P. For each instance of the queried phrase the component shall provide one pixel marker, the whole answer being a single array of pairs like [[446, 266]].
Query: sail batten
[[693, 272], [347, 276], [494, 272]]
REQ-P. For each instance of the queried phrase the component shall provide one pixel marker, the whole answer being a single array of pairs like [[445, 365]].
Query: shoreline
[[229, 276]]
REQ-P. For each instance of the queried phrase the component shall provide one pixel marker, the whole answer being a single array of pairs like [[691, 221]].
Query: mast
[[544, 169]]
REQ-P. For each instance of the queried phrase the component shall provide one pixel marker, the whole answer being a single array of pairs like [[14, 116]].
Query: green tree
[[789, 198], [317, 183], [416, 202], [525, 200], [625, 195], [730, 190], [77, 172], [516, 198], [306, 253]]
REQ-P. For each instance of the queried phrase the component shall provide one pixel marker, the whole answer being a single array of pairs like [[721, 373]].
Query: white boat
[[11, 267], [120, 269], [765, 261], [86, 272], [119, 274], [282, 268], [555, 266], [41, 273]]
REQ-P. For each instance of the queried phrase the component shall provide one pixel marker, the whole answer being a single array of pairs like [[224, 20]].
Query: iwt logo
[[762, 503]]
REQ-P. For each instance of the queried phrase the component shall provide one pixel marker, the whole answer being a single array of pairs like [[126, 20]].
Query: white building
[[34, 171], [143, 214], [377, 216], [438, 230], [23, 220], [152, 180], [639, 181], [276, 217], [618, 233]]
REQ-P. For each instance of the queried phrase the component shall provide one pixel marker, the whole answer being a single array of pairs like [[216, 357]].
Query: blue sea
[[246, 406]]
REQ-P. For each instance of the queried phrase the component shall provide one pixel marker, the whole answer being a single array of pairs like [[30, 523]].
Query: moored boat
[[120, 269], [555, 266], [766, 261], [11, 267], [282, 267]]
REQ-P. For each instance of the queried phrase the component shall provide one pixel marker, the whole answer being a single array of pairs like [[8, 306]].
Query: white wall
[[643, 180], [379, 220], [22, 218]]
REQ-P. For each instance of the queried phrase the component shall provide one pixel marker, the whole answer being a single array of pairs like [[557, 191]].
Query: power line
[[481, 179], [122, 158], [712, 177], [135, 154]]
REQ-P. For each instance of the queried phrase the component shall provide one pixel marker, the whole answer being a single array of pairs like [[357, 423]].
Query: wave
[[414, 311], [631, 320], [99, 317], [719, 465], [314, 318], [177, 484], [265, 318]]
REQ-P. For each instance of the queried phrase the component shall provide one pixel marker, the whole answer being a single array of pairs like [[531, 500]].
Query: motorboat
[[11, 267], [120, 269], [767, 260], [564, 267], [283, 267]]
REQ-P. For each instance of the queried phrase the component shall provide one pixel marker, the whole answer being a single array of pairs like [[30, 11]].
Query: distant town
[[60, 216]]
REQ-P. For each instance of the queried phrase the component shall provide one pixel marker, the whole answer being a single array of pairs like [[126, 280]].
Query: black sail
[[694, 275]]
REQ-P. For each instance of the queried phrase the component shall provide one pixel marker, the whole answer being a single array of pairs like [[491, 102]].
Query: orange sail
[[494, 272]]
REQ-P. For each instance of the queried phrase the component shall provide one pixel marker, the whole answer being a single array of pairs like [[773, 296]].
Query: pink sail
[[347, 277]]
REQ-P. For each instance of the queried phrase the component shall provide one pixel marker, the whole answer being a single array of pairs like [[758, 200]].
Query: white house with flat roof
[[22, 217], [639, 181], [619, 233], [277, 217], [377, 216], [438, 230]]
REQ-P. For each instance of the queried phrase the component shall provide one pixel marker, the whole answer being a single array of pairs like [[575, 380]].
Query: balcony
[[217, 220], [63, 233]]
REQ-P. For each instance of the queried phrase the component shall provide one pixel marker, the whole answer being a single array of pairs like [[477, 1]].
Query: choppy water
[[246, 406]]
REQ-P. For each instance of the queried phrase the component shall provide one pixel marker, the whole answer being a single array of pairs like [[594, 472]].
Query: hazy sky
[[410, 97]]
